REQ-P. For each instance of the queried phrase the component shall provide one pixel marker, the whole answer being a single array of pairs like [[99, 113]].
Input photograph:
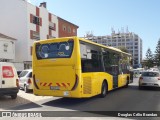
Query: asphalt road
[[123, 99]]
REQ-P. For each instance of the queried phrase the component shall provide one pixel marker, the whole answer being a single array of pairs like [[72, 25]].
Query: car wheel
[[104, 90], [14, 96], [26, 89]]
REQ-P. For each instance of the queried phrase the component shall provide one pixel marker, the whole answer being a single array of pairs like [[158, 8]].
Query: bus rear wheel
[[104, 90]]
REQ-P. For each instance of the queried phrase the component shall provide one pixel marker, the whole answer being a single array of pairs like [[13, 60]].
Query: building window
[[113, 44], [64, 28], [74, 31], [131, 43], [34, 35], [5, 47], [69, 29], [36, 20], [52, 26], [136, 43], [135, 47]]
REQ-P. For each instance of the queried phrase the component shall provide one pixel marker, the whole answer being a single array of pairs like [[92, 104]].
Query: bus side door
[[115, 75]]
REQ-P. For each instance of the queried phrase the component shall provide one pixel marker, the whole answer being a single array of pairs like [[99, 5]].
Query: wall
[[13, 23], [10, 49], [55, 20], [65, 33], [19, 66], [43, 29], [31, 9]]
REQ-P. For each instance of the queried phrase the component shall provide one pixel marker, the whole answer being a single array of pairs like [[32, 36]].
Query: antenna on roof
[[127, 31], [122, 29], [113, 31]]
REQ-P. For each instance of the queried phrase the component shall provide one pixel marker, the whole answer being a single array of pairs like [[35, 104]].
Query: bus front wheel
[[104, 89]]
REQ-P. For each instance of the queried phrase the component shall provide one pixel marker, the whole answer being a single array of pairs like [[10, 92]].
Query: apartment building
[[28, 23], [131, 41]]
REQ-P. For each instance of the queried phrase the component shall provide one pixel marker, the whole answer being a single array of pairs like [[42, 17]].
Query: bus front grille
[[87, 85]]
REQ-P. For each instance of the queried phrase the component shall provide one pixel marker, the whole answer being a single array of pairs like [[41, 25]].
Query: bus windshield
[[54, 50]]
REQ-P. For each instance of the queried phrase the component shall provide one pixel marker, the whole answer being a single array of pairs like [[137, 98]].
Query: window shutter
[[49, 17], [31, 18], [54, 26], [50, 32], [31, 34]]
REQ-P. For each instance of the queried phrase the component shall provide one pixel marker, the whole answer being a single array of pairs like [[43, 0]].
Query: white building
[[26, 23], [7, 48], [129, 40]]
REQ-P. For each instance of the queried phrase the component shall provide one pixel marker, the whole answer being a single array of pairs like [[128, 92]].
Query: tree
[[122, 48], [149, 58], [157, 54]]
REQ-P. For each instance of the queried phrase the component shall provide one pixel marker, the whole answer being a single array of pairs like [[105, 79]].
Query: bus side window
[[86, 66], [91, 58], [107, 62], [92, 65], [111, 61]]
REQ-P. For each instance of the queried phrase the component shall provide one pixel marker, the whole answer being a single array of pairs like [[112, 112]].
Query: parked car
[[18, 72], [149, 78], [137, 72], [25, 80], [154, 69], [8, 80]]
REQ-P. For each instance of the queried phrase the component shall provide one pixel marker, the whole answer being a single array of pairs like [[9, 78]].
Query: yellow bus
[[78, 68]]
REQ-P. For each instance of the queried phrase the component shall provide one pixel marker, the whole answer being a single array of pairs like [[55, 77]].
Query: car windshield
[[23, 73], [150, 74]]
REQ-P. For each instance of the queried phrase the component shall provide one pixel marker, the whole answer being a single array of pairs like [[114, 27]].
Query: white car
[[8, 80], [25, 80], [153, 69], [149, 78]]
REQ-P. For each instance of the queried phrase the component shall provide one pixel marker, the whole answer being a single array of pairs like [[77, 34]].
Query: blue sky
[[141, 16]]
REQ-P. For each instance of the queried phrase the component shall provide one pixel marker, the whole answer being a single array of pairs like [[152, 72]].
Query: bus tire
[[104, 89]]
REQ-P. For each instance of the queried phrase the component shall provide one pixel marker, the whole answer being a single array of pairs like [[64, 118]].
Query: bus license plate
[[54, 88], [66, 93]]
